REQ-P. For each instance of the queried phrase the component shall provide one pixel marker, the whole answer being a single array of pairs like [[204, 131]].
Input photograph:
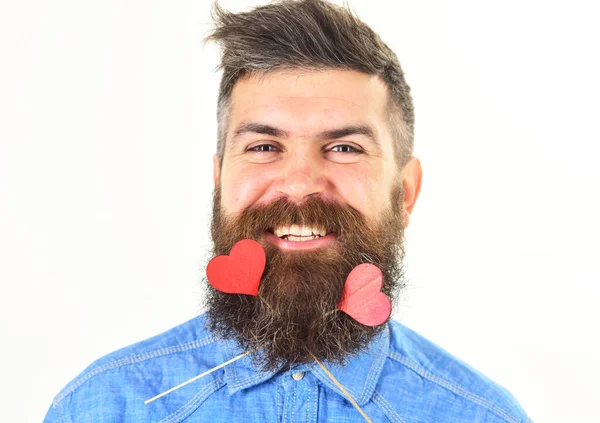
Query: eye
[[345, 148], [263, 148]]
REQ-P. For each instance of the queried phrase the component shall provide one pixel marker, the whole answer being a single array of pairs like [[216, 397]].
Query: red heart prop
[[363, 299], [240, 271]]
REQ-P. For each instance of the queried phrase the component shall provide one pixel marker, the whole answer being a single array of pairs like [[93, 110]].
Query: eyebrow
[[259, 128]]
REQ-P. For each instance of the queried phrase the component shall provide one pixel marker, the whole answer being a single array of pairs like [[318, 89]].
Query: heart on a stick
[[240, 271], [363, 299]]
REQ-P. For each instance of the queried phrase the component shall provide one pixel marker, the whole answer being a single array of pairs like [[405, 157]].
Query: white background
[[107, 128]]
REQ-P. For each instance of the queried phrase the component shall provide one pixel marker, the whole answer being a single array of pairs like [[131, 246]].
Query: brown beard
[[295, 313]]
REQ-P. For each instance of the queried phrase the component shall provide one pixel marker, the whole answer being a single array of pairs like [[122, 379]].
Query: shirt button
[[297, 376]]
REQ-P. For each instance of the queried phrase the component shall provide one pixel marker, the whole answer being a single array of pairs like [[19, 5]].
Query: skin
[[299, 163]]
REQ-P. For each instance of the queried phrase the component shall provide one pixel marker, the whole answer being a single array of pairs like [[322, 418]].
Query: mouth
[[300, 237]]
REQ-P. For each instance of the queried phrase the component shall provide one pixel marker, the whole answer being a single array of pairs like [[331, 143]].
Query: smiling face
[[309, 172], [298, 134]]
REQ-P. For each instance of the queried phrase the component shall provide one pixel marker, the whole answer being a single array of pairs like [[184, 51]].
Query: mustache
[[255, 220]]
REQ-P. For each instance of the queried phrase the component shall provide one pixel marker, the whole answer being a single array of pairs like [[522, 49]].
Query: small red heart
[[363, 299], [240, 271]]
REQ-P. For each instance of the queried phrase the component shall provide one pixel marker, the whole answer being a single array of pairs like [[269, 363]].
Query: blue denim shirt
[[402, 377]]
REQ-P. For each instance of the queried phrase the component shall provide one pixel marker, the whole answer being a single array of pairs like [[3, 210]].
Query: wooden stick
[[148, 401], [339, 385]]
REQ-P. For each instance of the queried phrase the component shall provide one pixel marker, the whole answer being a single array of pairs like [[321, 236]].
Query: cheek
[[362, 188], [243, 188]]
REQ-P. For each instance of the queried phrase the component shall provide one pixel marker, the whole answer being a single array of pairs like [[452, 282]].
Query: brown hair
[[309, 35]]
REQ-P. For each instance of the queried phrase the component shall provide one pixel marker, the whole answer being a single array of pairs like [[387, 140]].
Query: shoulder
[[125, 378], [441, 383]]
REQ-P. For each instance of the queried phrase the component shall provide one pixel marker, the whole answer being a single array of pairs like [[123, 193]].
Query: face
[[309, 172], [291, 135]]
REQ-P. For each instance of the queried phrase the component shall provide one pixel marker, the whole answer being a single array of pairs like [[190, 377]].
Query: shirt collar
[[359, 377]]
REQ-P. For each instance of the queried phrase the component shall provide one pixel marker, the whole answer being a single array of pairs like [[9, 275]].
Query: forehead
[[304, 102]]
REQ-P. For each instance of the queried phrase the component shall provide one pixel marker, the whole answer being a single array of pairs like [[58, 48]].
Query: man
[[314, 162]]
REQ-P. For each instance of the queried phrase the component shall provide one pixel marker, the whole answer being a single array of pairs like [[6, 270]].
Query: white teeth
[[296, 231], [302, 238], [281, 231], [305, 231]]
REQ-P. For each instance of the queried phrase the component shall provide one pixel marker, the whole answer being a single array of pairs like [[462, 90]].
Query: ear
[[411, 181], [216, 171]]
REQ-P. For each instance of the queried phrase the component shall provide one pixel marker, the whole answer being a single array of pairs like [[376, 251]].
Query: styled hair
[[307, 35]]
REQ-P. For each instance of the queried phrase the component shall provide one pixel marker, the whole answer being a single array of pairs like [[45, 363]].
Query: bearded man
[[314, 164]]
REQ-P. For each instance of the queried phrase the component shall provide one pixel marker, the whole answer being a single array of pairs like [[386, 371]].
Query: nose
[[301, 177]]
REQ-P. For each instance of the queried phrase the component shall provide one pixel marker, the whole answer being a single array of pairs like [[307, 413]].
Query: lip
[[325, 241]]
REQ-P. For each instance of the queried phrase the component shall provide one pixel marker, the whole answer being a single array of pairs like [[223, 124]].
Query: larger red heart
[[240, 271], [363, 299]]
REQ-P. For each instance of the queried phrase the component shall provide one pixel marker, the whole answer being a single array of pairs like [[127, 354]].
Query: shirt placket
[[300, 392]]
